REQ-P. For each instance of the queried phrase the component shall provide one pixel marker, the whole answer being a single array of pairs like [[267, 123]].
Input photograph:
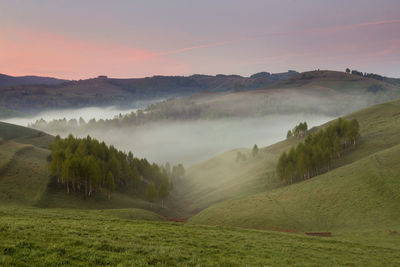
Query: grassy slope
[[364, 194], [24, 178], [23, 165], [44, 237], [379, 130], [24, 135]]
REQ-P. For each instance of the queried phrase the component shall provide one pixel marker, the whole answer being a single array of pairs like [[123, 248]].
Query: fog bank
[[85, 113], [195, 141]]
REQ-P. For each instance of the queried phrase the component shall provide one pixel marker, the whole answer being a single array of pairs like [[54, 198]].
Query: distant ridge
[[6, 80], [33, 94]]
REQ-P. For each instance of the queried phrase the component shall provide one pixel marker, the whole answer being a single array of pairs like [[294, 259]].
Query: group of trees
[[89, 166], [298, 131], [367, 75], [242, 157], [314, 156]]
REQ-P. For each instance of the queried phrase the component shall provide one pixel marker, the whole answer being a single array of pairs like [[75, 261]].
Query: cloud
[[35, 52]]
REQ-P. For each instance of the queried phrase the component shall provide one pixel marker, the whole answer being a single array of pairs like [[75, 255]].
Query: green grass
[[58, 198], [24, 135], [24, 178], [46, 237], [7, 152]]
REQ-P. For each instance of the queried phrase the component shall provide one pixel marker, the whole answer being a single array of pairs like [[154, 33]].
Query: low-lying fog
[[85, 113], [194, 141]]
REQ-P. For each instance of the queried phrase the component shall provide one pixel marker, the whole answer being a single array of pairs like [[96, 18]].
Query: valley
[[220, 199]]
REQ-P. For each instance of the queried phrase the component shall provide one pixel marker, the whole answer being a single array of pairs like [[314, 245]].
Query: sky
[[78, 39]]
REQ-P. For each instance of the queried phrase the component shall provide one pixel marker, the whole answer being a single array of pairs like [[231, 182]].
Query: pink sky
[[68, 39]]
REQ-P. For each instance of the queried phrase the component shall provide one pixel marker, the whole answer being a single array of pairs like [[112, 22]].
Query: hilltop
[[7, 80]]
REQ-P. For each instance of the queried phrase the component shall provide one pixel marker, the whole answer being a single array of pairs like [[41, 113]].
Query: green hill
[[25, 178], [363, 191], [364, 194], [23, 135]]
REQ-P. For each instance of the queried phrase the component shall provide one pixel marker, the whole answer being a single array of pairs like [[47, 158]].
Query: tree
[[178, 171], [353, 131], [115, 167], [151, 192], [337, 146], [167, 168], [356, 72], [281, 166], [289, 134], [110, 184], [347, 70], [81, 121], [163, 193], [66, 173], [298, 131], [254, 152]]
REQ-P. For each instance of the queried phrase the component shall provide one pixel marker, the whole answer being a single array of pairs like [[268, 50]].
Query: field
[[44, 237]]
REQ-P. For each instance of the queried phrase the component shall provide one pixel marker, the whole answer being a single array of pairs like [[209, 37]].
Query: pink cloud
[[31, 52]]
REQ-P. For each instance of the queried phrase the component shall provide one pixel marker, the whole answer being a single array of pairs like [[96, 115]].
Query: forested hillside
[[104, 91], [314, 156], [328, 93], [89, 166]]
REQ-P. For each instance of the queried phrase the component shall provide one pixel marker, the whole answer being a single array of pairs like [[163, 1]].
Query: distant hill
[[317, 92], [328, 93], [6, 80], [361, 192], [31, 96]]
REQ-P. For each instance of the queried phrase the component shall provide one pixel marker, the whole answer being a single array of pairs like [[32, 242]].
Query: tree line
[[314, 156], [367, 75], [88, 166]]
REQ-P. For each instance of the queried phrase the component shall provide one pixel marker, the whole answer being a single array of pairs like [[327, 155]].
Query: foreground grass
[[40, 237]]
